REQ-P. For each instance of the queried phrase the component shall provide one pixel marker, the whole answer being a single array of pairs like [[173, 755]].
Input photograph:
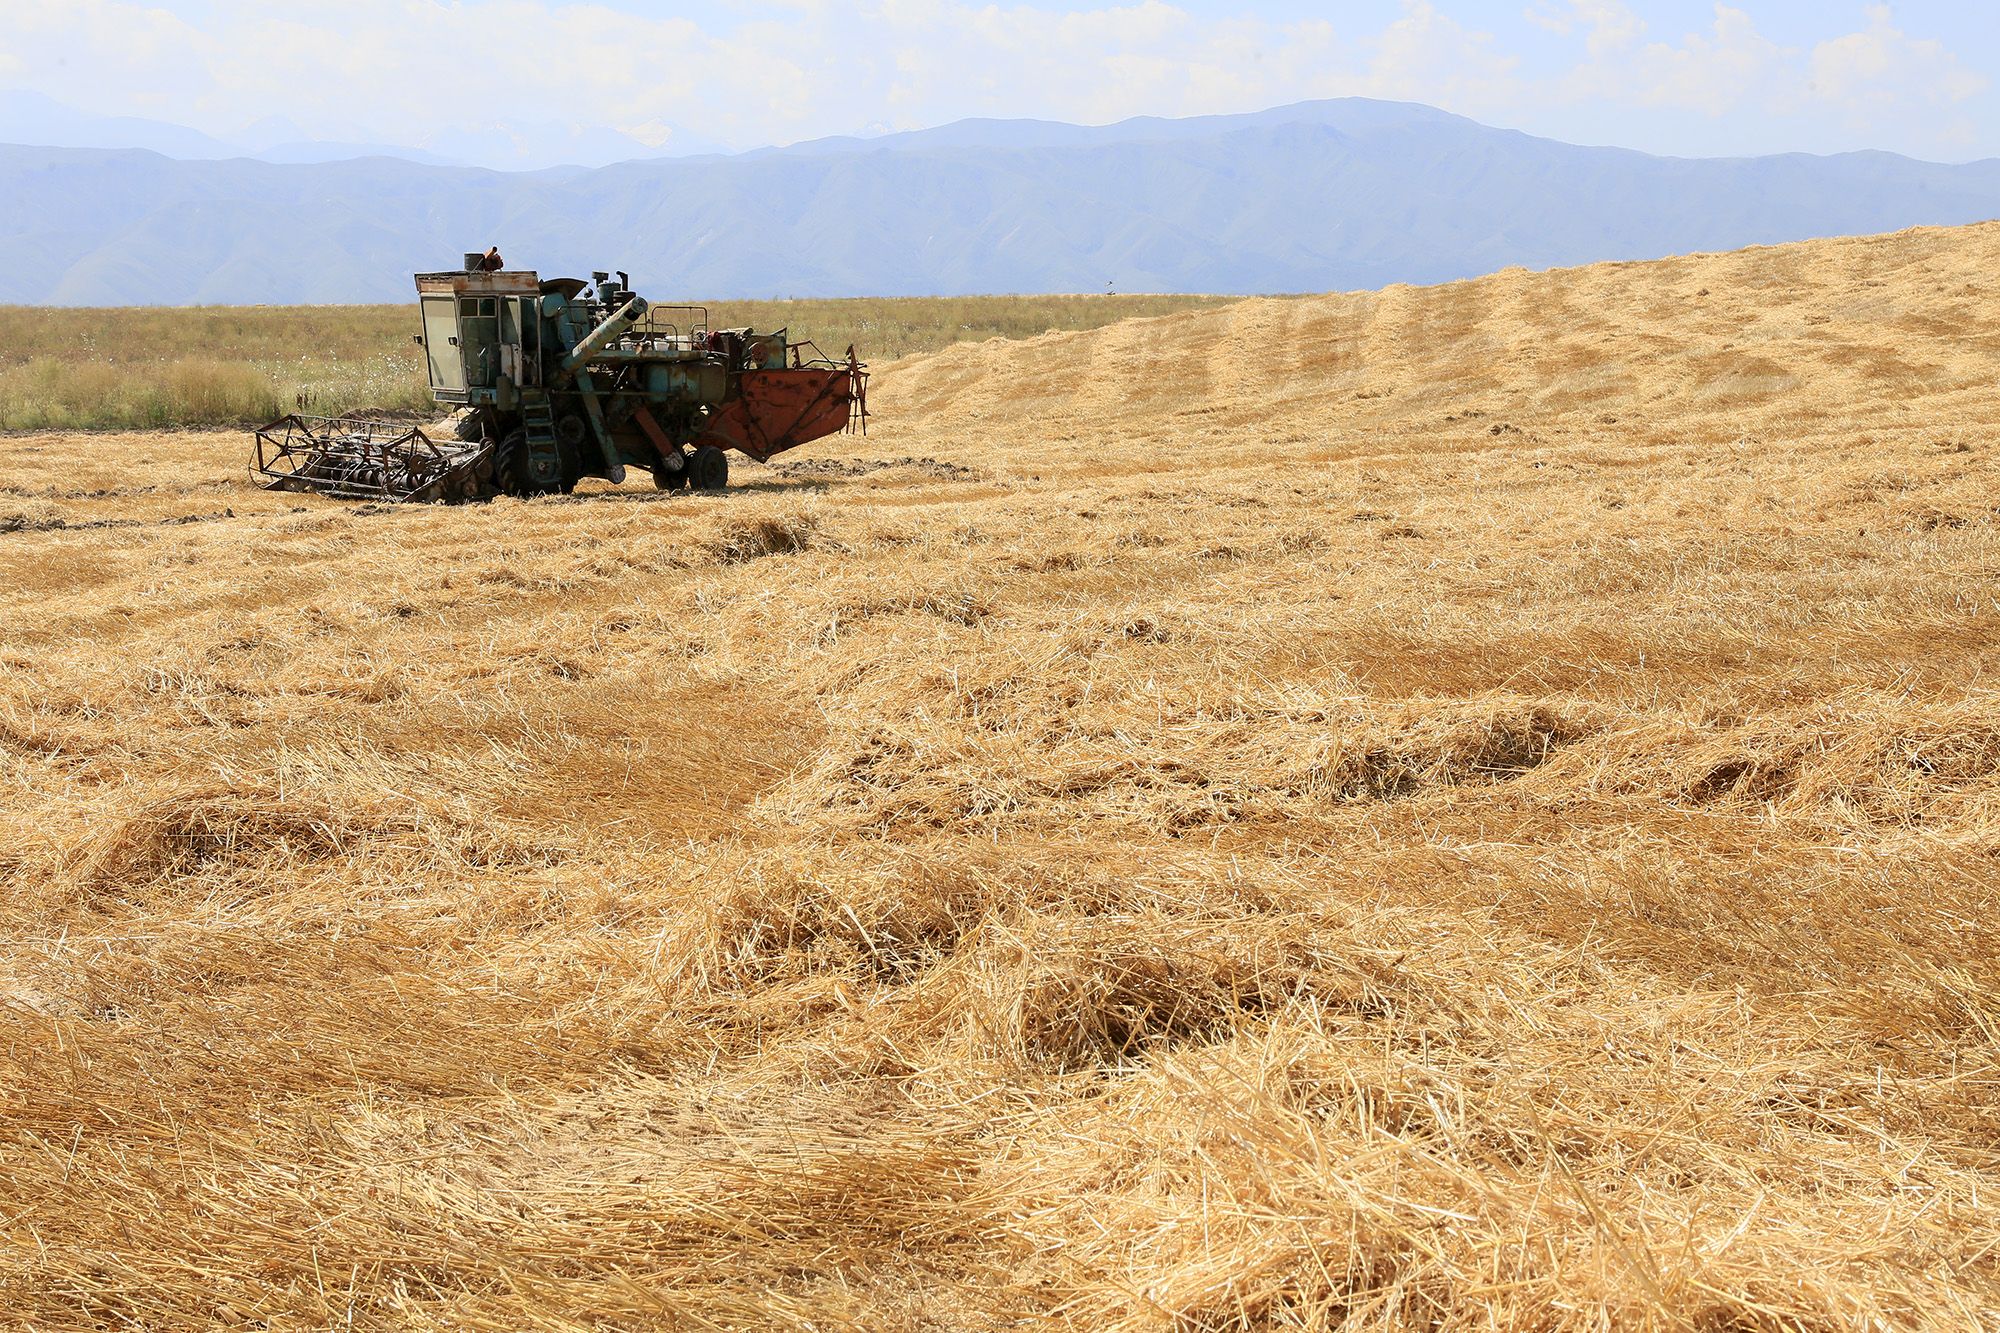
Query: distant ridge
[[1315, 197]]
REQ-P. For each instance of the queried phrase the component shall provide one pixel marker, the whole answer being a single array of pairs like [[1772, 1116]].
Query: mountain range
[[1314, 197]]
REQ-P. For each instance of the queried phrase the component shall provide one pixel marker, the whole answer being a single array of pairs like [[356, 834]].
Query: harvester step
[[539, 422]]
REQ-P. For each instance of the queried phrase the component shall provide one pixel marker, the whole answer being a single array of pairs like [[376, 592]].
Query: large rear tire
[[510, 464], [513, 469], [471, 428], [708, 468]]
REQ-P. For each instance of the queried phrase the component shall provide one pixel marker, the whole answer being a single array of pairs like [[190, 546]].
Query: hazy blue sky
[[512, 81]]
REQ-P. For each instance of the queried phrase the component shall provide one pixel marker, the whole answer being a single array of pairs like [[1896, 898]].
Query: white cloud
[[1883, 66], [1428, 56], [450, 74], [401, 70], [1714, 72], [1711, 73], [1869, 79], [1610, 24], [1098, 65]]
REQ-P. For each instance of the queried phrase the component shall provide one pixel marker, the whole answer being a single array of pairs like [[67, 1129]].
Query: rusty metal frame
[[365, 460], [857, 376]]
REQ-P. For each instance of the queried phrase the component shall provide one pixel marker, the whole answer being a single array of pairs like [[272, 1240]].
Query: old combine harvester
[[557, 381]]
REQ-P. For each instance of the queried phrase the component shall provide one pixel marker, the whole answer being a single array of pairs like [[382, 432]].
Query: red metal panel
[[776, 410]]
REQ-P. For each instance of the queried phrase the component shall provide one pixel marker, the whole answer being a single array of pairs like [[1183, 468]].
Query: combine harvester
[[558, 382]]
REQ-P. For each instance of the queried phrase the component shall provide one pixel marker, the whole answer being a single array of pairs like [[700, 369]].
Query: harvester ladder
[[539, 421]]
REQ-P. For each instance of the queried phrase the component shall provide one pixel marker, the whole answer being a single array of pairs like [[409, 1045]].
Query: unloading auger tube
[[554, 380], [610, 331]]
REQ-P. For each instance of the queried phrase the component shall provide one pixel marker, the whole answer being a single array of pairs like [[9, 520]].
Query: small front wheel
[[708, 468]]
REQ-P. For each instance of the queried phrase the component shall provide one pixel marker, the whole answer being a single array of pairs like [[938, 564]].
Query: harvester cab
[[555, 380]]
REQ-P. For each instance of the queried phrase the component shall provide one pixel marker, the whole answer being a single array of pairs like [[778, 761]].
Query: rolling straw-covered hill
[[1456, 808]]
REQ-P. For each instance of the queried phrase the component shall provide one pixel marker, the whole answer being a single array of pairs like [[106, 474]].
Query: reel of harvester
[[366, 460]]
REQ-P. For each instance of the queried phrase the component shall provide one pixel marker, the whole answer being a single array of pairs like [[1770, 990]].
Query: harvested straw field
[[1466, 808]]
